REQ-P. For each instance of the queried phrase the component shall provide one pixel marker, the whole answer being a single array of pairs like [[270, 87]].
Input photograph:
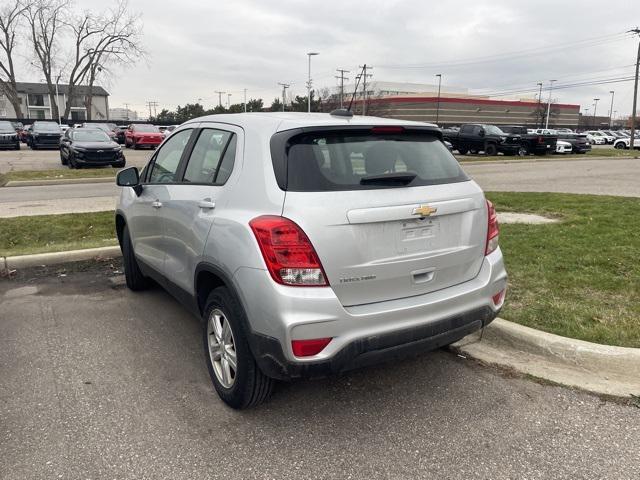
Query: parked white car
[[563, 147], [623, 143], [608, 139], [595, 139]]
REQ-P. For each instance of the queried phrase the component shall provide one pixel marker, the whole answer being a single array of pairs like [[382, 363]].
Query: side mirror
[[129, 177]]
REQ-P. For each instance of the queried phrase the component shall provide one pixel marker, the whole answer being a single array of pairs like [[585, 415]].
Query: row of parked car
[[513, 140]]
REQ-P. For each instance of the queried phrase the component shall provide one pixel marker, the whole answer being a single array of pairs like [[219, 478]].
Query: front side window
[[205, 160], [168, 158]]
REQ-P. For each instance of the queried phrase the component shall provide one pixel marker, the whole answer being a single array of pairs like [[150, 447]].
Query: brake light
[[288, 252], [308, 348], [387, 129], [493, 230]]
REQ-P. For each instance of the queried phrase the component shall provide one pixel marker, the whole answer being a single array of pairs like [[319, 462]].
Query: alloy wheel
[[222, 351]]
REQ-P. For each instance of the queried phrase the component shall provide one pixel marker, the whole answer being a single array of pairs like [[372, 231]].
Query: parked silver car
[[310, 244]]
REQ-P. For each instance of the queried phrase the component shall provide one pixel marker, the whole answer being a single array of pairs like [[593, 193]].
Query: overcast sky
[[197, 47]]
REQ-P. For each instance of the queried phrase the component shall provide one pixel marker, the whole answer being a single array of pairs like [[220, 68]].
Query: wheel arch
[[121, 222]]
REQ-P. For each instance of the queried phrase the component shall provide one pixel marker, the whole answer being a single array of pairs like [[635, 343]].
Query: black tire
[[490, 149], [620, 146], [462, 151], [34, 146], [250, 386], [119, 164], [17, 147], [134, 145], [63, 160], [523, 151], [72, 161], [126, 144], [136, 281]]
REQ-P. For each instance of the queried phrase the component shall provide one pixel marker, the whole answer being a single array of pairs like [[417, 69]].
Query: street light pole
[[309, 55], [611, 109], [635, 97], [595, 108], [245, 100], [540, 104], [439, 75], [546, 124]]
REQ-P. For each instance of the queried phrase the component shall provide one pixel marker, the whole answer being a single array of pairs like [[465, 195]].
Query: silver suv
[[310, 244]]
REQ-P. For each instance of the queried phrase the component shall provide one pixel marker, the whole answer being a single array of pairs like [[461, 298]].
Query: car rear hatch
[[388, 210]]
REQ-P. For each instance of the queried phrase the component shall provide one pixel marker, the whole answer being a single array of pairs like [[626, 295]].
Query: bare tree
[[101, 40], [10, 18], [45, 19]]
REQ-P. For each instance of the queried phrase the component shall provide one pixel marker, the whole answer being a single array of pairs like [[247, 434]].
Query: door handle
[[206, 204], [156, 204]]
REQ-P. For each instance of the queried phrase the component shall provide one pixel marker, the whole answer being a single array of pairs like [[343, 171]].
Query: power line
[[599, 40]]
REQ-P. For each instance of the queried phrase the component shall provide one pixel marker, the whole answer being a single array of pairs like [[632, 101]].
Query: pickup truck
[[531, 142], [477, 137]]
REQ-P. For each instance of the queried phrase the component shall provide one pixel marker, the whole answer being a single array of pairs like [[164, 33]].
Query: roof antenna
[[346, 112]]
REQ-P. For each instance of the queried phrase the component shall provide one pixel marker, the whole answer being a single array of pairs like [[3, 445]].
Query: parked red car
[[142, 135]]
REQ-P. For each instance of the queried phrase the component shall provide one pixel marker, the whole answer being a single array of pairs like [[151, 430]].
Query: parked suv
[[44, 134], [310, 244]]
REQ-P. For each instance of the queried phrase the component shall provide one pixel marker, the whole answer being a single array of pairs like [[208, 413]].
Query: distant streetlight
[[546, 125], [611, 108], [595, 108], [439, 75], [309, 55]]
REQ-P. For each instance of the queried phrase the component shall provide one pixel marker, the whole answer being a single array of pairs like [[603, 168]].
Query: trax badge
[[424, 210]]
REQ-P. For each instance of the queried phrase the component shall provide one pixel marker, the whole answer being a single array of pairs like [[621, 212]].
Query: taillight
[[308, 348], [288, 253], [387, 129], [493, 231]]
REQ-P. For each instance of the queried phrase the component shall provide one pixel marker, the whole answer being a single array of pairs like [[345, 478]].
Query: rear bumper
[[365, 334]]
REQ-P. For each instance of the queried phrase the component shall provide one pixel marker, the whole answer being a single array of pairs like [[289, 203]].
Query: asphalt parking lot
[[27, 159], [99, 382]]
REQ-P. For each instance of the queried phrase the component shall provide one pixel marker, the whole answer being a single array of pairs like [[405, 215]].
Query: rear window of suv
[[340, 160]]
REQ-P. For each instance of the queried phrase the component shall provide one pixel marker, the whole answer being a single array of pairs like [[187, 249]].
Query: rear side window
[[209, 161], [344, 160]]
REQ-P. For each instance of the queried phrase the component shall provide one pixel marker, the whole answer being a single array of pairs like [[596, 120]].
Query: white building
[[119, 114]]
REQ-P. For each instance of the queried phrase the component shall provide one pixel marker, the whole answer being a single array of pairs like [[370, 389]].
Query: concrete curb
[[61, 181], [55, 258], [601, 369]]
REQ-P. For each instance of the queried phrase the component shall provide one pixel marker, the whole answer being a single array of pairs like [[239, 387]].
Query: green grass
[[54, 233], [57, 174], [579, 278], [595, 153]]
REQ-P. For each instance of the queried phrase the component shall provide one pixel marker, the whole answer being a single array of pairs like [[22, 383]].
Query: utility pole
[[284, 93], [540, 104], [220, 97], [154, 104], [245, 100], [228, 100], [439, 75], [635, 95], [595, 108], [611, 109], [546, 125], [342, 79], [364, 76], [126, 107]]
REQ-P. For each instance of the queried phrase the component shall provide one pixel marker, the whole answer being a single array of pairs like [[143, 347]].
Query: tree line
[[66, 44], [323, 102]]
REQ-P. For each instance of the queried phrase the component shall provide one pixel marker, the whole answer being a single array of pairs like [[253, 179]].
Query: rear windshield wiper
[[392, 178]]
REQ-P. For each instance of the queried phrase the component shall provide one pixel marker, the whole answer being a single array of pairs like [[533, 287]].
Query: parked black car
[[476, 137], [531, 142], [8, 136], [578, 141], [44, 134], [90, 147]]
